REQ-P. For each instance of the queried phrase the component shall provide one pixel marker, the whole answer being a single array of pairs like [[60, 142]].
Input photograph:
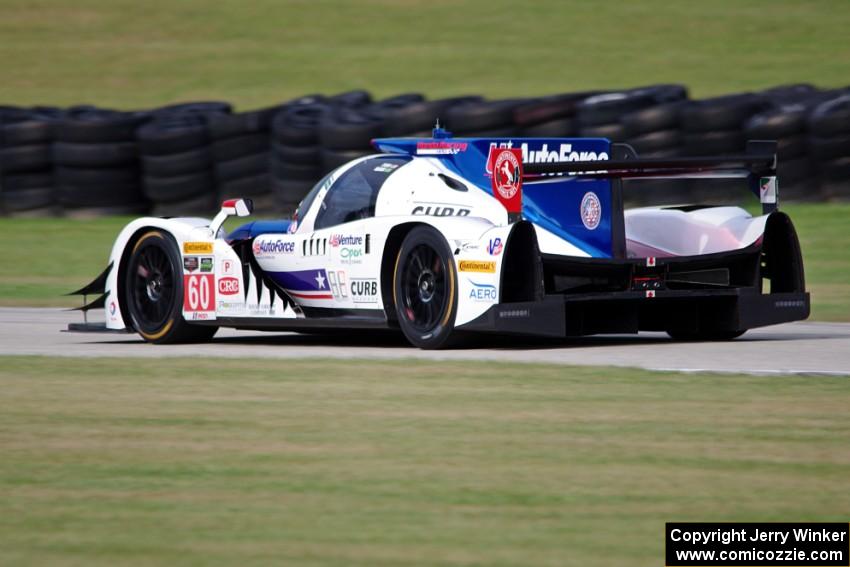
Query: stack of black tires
[[295, 155], [483, 118], [176, 158], [240, 150], [829, 145], [26, 171], [96, 162]]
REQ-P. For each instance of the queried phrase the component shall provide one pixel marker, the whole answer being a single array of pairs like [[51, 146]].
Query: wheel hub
[[426, 286], [154, 287]]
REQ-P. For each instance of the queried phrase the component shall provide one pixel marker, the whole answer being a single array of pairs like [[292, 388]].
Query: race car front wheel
[[425, 288], [153, 292]]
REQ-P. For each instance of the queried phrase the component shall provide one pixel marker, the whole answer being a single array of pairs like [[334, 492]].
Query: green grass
[[46, 258], [132, 54], [339, 463]]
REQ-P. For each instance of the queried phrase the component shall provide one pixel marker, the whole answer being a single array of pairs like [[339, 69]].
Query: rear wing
[[757, 165]]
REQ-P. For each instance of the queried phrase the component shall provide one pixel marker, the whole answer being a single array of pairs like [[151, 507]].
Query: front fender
[[189, 229]]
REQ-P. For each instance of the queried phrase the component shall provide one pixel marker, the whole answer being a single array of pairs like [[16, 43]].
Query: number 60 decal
[[198, 292]]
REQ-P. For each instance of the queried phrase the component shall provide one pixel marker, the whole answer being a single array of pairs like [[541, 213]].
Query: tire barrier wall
[[183, 159]]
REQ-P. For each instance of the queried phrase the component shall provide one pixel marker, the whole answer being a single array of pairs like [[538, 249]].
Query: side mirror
[[238, 207], [229, 208]]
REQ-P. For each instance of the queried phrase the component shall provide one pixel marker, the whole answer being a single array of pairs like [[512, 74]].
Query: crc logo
[[228, 286], [276, 247], [440, 211]]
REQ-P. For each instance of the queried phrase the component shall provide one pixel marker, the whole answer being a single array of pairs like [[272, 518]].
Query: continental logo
[[197, 248], [476, 266]]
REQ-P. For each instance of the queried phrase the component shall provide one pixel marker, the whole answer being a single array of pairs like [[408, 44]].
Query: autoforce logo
[[545, 154], [273, 247], [345, 240], [228, 286]]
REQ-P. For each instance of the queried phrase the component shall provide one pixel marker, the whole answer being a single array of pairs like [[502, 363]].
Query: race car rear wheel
[[425, 289], [153, 292]]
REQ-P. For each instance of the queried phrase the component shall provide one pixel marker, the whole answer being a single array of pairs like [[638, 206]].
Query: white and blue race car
[[444, 237]]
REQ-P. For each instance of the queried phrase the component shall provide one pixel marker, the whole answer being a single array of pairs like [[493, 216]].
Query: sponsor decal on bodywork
[[190, 263], [483, 292], [197, 247], [364, 290], [440, 211], [345, 240], [273, 247], [198, 292], [477, 266], [304, 284], [440, 148], [227, 267], [228, 285], [591, 210], [494, 247], [207, 264]]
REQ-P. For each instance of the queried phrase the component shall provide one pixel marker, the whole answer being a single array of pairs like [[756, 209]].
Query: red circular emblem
[[506, 171]]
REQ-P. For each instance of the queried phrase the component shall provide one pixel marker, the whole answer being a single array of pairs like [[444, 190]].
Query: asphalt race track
[[798, 348]]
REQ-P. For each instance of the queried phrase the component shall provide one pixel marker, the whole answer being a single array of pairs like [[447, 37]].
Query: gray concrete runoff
[[807, 348]]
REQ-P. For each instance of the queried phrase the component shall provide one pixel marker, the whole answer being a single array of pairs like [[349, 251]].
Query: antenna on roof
[[440, 133]]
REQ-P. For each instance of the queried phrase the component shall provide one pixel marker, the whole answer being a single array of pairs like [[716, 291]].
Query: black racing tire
[[332, 159], [153, 292], [240, 146], [295, 171], [96, 176], [505, 132], [614, 132], [203, 108], [288, 193], [790, 147], [28, 199], [705, 335], [425, 288], [22, 181], [793, 171], [654, 141], [663, 93], [95, 155], [348, 129], [25, 133], [252, 186], [97, 126], [99, 195], [835, 170], [352, 99], [179, 188], [172, 134], [420, 116], [483, 115], [791, 93], [199, 206], [297, 154], [182, 163], [829, 148], [558, 128], [721, 113], [831, 118], [549, 108], [776, 123], [712, 143], [610, 107], [299, 125], [248, 166], [25, 158], [231, 125], [653, 119]]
